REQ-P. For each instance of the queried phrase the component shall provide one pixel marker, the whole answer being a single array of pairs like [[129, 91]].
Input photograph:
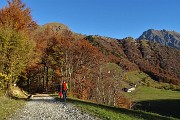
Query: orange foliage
[[123, 102], [16, 16]]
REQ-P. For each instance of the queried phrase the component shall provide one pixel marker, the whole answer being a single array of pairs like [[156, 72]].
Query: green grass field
[[143, 93], [147, 97], [160, 101], [140, 78]]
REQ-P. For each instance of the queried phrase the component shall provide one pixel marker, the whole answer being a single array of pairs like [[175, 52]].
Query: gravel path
[[47, 108]]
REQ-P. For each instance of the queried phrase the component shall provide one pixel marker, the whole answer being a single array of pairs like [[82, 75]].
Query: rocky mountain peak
[[164, 37]]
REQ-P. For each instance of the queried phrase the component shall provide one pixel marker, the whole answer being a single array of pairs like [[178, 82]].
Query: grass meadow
[[160, 101]]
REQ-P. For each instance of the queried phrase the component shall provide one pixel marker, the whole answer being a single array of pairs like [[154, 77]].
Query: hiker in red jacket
[[64, 90]]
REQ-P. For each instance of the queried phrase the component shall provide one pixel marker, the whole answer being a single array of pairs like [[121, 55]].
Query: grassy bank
[[9, 106]]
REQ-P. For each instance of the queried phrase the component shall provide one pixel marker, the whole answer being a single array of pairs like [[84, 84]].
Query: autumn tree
[[16, 16], [16, 46], [16, 52], [109, 84], [55, 52], [87, 60]]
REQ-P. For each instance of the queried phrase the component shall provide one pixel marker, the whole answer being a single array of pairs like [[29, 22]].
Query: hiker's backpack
[[64, 87]]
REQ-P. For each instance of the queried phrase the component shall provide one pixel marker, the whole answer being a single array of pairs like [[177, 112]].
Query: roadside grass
[[160, 101], [112, 113], [9, 106]]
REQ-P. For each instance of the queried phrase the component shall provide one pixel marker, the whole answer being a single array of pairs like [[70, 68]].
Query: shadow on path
[[45, 99]]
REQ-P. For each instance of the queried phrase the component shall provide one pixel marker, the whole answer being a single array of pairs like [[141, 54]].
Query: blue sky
[[111, 18]]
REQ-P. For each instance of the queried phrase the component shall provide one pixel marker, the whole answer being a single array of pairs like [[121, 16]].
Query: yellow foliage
[[3, 80], [3, 76]]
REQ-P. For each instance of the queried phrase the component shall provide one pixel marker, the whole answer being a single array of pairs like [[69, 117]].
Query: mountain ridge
[[164, 37]]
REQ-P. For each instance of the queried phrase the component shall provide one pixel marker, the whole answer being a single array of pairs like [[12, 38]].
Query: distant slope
[[164, 37], [159, 62]]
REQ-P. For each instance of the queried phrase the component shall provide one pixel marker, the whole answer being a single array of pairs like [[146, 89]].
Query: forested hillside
[[160, 62]]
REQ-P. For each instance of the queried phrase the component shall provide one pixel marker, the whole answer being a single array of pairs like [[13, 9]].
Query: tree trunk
[[47, 78], [28, 85]]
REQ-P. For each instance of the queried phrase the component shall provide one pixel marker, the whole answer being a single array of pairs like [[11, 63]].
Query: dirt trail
[[44, 107]]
